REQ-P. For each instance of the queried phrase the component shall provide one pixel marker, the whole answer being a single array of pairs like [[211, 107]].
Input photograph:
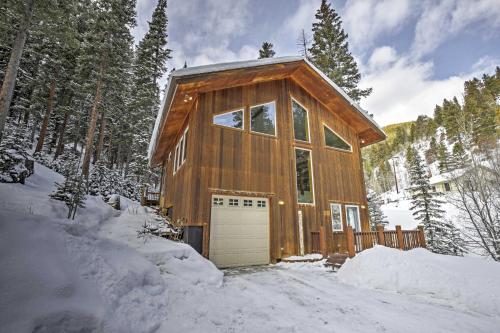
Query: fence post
[[421, 237], [350, 242], [322, 241], [380, 235], [399, 233]]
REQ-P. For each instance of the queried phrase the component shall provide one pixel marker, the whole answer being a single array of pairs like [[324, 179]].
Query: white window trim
[[340, 136], [312, 177], [359, 217], [275, 135], [229, 127], [292, 99], [179, 152], [341, 216]]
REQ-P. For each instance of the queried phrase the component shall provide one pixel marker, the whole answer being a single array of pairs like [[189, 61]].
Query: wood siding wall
[[244, 163]]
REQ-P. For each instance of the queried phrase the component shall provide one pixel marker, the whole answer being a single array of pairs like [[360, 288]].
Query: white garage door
[[239, 231]]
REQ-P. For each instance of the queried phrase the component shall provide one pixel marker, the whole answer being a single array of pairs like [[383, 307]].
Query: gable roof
[[184, 84]]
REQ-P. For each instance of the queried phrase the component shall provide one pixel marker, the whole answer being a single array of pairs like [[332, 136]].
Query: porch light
[[281, 202]]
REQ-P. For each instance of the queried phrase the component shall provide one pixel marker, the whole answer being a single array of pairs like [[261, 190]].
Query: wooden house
[[259, 156]]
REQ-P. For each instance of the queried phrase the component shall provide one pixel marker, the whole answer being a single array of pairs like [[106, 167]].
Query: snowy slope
[[59, 275]]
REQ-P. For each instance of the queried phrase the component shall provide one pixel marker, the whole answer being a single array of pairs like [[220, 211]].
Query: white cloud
[[365, 20], [382, 57], [406, 88], [441, 20]]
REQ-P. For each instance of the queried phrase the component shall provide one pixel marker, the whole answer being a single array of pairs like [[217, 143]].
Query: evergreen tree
[[376, 214], [330, 52], [72, 190], [303, 42], [266, 50], [150, 64], [426, 207]]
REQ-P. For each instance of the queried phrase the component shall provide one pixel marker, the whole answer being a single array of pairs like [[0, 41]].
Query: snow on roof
[[220, 67], [445, 177]]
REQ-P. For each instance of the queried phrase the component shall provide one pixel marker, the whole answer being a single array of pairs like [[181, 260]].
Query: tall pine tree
[[150, 64], [330, 52], [442, 237]]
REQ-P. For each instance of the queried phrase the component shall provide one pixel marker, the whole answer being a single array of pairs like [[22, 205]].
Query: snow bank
[[466, 282], [91, 274]]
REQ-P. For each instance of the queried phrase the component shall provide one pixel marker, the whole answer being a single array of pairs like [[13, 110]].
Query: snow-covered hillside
[[94, 275]]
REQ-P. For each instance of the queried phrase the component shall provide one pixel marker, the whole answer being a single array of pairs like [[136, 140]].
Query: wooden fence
[[353, 242]]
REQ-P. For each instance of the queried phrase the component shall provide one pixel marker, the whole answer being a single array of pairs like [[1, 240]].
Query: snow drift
[[91, 274], [465, 282]]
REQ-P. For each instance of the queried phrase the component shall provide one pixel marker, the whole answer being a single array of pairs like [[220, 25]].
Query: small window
[[336, 215], [180, 151], [233, 202], [303, 168], [218, 201], [261, 203], [263, 118], [447, 187], [352, 217], [184, 153], [300, 122], [332, 140], [247, 203], [233, 119]]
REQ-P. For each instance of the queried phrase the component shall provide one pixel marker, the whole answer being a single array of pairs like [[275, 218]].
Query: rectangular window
[[247, 203], [218, 201], [333, 140], [447, 187], [261, 203], [180, 151], [184, 151], [300, 122], [303, 167], [233, 202], [232, 119], [263, 118], [352, 217], [336, 215]]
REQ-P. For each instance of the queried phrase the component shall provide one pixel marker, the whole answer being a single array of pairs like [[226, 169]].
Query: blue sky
[[413, 53]]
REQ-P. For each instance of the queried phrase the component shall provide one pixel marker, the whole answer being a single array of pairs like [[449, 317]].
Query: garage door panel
[[239, 234]]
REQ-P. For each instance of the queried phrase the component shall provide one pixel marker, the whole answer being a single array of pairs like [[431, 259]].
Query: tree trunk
[[60, 139], [9, 80], [46, 117], [92, 126], [100, 144]]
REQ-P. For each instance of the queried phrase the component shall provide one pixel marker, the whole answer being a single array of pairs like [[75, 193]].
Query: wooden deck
[[150, 197]]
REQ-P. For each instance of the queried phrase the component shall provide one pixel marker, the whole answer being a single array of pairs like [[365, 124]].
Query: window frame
[[180, 156], [313, 203], [359, 217], [242, 109], [340, 136], [275, 135], [293, 99], [341, 217]]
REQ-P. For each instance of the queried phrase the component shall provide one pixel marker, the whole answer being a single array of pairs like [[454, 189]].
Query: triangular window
[[332, 140]]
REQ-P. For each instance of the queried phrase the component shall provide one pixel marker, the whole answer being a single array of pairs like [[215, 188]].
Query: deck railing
[[353, 242], [150, 197]]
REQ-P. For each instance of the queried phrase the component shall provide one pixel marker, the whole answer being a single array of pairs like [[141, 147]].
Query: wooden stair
[[336, 260]]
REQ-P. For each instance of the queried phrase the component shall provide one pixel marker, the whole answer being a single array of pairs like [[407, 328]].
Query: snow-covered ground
[[399, 213], [94, 274]]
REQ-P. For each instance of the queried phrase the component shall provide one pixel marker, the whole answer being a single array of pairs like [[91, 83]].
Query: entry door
[[239, 231]]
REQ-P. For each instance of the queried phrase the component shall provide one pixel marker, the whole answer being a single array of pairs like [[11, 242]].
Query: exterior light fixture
[[281, 202]]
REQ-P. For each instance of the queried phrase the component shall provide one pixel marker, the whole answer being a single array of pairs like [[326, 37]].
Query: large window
[[336, 215], [352, 217], [300, 122], [181, 151], [303, 167], [263, 118], [233, 119], [332, 140]]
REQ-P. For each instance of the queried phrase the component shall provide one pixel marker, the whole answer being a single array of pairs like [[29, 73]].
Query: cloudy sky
[[413, 53]]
